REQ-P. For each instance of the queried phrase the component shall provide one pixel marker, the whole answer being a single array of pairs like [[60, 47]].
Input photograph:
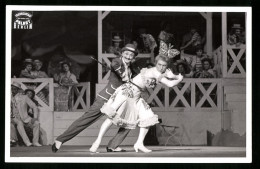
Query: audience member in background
[[15, 89], [197, 70], [37, 69], [66, 78], [190, 41], [115, 49], [165, 34], [183, 68], [30, 93], [146, 42], [27, 72], [207, 71], [196, 59], [43, 94], [236, 36], [21, 118]]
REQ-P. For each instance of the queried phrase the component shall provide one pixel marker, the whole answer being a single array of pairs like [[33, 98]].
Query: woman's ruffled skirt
[[133, 111]]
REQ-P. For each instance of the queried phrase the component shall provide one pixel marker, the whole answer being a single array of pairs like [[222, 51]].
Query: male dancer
[[121, 72]]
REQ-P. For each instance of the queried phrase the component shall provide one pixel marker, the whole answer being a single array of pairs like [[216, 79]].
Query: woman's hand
[[180, 77]]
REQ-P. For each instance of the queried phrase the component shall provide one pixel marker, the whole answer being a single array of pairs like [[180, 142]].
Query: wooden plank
[[94, 132], [89, 141], [40, 87], [236, 62], [193, 95], [235, 97], [159, 110], [100, 41], [104, 14], [204, 14], [166, 96], [28, 80], [64, 124], [51, 94], [237, 105], [209, 33], [80, 98], [234, 89], [68, 115], [206, 95], [224, 42], [220, 100], [154, 96], [234, 82]]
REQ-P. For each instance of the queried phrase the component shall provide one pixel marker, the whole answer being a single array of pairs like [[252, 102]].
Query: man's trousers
[[88, 118]]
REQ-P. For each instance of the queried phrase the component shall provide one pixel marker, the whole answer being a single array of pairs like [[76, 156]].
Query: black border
[[255, 81]]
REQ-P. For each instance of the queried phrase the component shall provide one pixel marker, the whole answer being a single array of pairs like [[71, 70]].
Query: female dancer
[[126, 108]]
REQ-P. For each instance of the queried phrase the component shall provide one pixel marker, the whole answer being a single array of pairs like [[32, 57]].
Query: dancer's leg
[[88, 118], [118, 138], [104, 127], [139, 145]]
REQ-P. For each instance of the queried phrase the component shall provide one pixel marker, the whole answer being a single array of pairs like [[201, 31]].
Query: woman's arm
[[171, 83], [169, 74], [73, 79], [26, 74]]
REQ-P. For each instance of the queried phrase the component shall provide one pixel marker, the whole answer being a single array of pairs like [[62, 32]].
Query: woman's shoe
[[142, 148], [93, 148]]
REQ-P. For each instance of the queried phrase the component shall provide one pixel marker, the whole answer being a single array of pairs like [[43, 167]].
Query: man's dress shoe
[[53, 148], [115, 150]]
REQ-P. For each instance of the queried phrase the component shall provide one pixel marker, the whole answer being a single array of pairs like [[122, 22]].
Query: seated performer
[[126, 108], [121, 72]]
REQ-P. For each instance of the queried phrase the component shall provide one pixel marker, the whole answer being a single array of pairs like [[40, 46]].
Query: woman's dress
[[132, 110]]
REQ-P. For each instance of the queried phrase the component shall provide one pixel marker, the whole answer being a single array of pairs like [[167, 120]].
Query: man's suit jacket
[[115, 79]]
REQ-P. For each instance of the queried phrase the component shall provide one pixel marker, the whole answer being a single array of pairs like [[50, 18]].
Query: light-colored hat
[[237, 26], [37, 61], [28, 60], [130, 47], [16, 84], [117, 39]]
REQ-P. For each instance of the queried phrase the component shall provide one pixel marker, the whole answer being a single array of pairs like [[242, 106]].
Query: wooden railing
[[43, 88], [218, 61], [190, 95], [81, 97], [234, 61]]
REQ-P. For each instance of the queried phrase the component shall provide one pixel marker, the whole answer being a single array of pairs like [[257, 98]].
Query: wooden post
[[224, 43], [209, 34], [99, 46]]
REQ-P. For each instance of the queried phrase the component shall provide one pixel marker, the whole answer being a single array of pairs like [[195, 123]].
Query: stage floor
[[158, 151]]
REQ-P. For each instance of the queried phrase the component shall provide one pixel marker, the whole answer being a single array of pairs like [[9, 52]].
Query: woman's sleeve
[[25, 74], [171, 83], [74, 79], [169, 74]]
